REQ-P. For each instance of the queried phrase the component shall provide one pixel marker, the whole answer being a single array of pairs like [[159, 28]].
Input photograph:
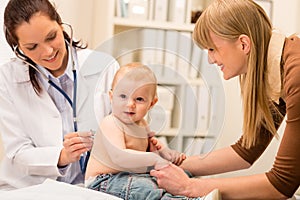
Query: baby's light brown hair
[[135, 71]]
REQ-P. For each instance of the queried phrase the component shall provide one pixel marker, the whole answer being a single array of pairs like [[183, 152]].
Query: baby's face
[[131, 101]]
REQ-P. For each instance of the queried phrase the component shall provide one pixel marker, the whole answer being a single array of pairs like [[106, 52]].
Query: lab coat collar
[[88, 66], [20, 70], [273, 65]]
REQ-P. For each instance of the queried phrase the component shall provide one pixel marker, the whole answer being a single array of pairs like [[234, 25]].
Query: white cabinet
[[160, 14], [190, 110]]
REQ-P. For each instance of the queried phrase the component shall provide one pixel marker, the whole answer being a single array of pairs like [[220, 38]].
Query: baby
[[124, 148]]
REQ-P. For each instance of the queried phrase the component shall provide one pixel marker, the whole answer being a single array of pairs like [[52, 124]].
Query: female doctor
[[47, 97]]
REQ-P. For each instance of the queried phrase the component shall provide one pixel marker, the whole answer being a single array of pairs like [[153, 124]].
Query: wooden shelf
[[174, 131], [180, 81], [135, 23], [184, 82]]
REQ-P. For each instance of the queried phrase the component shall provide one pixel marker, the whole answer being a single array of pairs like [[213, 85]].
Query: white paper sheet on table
[[54, 190]]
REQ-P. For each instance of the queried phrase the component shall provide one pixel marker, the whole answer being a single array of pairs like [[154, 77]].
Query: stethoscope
[[20, 55], [71, 102]]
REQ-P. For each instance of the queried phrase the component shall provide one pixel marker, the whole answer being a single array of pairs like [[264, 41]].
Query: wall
[[77, 14], [5, 52], [90, 19], [286, 16]]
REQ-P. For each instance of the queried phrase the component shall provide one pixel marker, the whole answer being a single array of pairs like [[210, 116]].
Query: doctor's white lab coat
[[31, 125]]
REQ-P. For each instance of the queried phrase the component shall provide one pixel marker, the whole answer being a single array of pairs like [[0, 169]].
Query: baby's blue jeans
[[132, 186]]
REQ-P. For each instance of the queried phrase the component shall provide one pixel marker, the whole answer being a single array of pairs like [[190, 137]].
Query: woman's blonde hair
[[229, 19]]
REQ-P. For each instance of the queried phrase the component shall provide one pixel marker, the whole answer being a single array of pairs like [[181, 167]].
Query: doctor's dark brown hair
[[19, 11]]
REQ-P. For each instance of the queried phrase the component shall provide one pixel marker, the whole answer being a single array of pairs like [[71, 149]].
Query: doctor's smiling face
[[42, 40]]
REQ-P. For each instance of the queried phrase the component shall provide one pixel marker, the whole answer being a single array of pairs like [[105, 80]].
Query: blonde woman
[[239, 38]]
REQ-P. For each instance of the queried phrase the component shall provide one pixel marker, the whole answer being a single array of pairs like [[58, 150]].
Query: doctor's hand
[[75, 144], [173, 179]]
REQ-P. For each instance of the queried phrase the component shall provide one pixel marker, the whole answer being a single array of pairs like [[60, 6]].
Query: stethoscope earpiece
[[23, 57]]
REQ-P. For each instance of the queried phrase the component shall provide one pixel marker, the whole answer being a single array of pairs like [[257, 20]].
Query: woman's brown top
[[285, 173]]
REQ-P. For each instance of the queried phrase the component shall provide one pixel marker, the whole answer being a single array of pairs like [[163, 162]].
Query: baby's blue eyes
[[123, 96], [138, 99]]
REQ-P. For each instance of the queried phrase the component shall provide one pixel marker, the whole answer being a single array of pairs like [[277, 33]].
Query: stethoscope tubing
[[73, 103], [61, 91]]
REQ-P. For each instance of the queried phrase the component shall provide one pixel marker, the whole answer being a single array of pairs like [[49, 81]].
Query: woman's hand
[[75, 144], [173, 179]]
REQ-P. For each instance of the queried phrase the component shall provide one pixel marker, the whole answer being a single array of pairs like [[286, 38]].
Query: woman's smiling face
[[230, 56], [42, 40]]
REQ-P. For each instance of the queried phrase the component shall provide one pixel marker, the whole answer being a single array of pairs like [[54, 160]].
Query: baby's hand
[[154, 144], [171, 155]]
